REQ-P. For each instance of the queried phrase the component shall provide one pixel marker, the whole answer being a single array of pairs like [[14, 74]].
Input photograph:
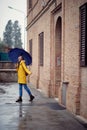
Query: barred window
[[83, 35], [41, 48], [30, 4], [30, 46]]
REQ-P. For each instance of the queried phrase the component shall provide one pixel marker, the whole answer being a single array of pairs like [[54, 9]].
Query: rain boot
[[19, 99], [31, 98]]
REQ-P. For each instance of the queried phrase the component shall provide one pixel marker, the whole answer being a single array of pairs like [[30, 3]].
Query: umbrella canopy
[[16, 52]]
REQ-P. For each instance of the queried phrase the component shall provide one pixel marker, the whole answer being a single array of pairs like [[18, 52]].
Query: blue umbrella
[[16, 52]]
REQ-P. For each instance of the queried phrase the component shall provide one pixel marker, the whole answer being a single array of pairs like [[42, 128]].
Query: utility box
[[64, 92]]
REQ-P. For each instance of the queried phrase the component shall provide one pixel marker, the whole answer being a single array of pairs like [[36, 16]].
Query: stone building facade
[[55, 31]]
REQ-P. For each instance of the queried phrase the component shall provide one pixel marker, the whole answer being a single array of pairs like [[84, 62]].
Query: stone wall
[[7, 72]]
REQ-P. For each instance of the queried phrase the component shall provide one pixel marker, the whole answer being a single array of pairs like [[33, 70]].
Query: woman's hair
[[22, 56], [22, 59]]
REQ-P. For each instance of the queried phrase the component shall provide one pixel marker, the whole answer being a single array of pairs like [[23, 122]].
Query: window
[[30, 46], [83, 35], [41, 48], [30, 4]]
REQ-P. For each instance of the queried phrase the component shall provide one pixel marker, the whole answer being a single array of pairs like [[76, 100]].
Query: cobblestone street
[[42, 114]]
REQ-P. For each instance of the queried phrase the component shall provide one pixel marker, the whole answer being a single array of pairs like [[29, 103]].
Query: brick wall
[[71, 54], [40, 73], [83, 100], [76, 92], [45, 77]]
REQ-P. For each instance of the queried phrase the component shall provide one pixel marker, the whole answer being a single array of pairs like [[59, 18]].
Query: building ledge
[[7, 70]]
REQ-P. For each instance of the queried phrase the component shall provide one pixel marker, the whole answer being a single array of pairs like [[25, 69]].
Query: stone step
[[7, 65]]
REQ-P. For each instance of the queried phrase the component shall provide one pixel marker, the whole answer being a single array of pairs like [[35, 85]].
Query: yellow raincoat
[[22, 71]]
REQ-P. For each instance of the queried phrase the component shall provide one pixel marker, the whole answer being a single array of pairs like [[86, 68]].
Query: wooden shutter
[[41, 48], [83, 35], [30, 46], [30, 4]]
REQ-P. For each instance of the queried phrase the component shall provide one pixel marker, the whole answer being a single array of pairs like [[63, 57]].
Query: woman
[[22, 72]]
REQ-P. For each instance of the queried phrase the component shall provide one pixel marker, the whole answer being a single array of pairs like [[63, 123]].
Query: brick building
[[56, 39]]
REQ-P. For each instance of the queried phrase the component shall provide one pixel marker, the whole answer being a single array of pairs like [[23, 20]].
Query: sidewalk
[[42, 114]]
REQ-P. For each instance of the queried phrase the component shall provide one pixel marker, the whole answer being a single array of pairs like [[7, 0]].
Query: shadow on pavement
[[55, 106]]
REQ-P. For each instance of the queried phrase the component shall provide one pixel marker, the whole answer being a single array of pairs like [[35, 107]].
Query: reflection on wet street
[[10, 111], [42, 114]]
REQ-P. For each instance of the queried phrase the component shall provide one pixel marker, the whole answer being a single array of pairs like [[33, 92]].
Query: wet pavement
[[42, 114]]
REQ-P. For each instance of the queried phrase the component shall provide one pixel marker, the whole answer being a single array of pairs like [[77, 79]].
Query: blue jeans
[[21, 89]]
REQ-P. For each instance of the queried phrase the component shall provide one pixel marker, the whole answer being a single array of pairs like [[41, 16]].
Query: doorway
[[58, 41]]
